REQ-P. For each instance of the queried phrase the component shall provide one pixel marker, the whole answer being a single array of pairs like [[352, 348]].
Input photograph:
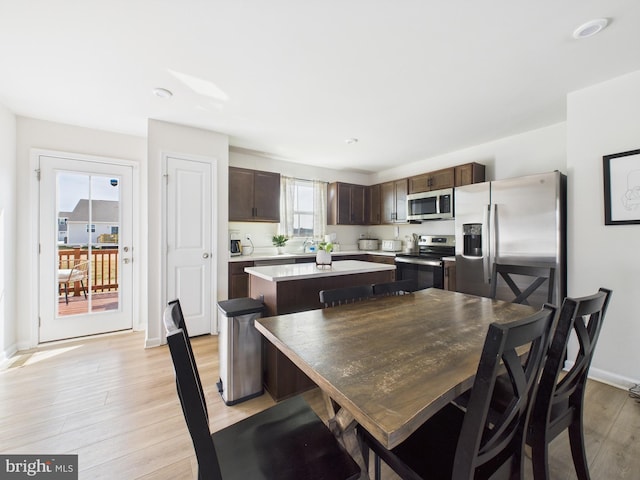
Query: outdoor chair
[[77, 273]]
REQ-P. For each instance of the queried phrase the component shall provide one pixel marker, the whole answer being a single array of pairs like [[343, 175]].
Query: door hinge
[[39, 321], [37, 170], [166, 178]]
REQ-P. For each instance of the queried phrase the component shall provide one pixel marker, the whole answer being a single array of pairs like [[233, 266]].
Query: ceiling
[[410, 79]]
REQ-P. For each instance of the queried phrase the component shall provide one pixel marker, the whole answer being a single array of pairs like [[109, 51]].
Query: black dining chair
[[339, 296], [478, 441], [533, 276], [398, 287], [287, 441], [560, 398]]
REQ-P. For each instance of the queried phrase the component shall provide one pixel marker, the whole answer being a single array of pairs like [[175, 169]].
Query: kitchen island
[[295, 288]]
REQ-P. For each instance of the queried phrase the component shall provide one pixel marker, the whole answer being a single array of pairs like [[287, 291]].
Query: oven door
[[425, 273]]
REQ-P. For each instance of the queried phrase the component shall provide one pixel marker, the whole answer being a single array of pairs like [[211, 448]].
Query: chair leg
[[578, 452], [84, 289], [540, 458], [66, 293]]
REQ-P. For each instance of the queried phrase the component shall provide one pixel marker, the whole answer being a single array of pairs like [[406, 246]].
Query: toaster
[[391, 245]]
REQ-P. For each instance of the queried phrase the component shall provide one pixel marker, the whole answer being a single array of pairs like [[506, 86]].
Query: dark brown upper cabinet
[[372, 209], [432, 181], [469, 173], [345, 204], [254, 196], [393, 201]]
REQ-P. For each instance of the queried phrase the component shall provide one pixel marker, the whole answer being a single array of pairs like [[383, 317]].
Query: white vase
[[323, 258], [280, 250]]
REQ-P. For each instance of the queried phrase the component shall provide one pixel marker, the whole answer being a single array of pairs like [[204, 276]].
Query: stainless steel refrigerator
[[518, 220]]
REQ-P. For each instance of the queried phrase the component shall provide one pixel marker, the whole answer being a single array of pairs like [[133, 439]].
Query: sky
[[75, 186]]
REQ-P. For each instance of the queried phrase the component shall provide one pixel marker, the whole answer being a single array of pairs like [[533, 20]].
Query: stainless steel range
[[426, 266]]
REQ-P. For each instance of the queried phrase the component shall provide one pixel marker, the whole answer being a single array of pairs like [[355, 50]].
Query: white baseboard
[[152, 342], [6, 354], [609, 378]]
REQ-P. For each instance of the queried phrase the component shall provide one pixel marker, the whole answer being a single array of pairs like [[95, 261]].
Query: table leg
[[343, 426]]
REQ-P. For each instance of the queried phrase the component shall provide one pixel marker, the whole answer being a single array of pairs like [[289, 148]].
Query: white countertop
[[301, 271]]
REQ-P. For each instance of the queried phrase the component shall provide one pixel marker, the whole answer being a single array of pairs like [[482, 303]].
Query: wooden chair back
[[174, 320], [399, 287], [491, 439], [287, 441], [191, 396], [523, 281], [559, 400], [339, 296]]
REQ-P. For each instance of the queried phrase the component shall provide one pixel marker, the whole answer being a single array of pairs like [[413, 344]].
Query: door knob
[[205, 255]]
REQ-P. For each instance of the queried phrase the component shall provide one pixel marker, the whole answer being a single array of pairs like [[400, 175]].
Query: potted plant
[[280, 241], [323, 257]]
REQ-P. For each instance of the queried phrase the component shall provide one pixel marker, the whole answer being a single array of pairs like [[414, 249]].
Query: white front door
[[189, 241], [85, 235]]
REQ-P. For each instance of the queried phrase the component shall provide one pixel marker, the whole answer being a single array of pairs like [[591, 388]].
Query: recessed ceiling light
[[351, 140], [162, 93], [590, 28]]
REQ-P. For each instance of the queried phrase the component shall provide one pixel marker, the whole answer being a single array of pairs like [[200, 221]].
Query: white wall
[[602, 120], [39, 134], [8, 209], [537, 151], [168, 138]]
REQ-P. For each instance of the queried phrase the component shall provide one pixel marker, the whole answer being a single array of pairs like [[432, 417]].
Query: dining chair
[[513, 274], [339, 296], [477, 441], [77, 273], [286, 441], [560, 398], [398, 287]]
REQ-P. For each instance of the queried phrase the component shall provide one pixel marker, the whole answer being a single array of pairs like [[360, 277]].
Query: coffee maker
[[234, 243]]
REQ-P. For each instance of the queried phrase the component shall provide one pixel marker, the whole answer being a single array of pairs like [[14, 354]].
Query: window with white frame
[[303, 210]]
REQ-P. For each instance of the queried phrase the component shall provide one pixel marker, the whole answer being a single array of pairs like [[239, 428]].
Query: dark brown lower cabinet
[[450, 276], [238, 279]]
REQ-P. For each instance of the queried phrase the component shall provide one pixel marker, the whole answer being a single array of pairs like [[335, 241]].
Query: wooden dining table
[[391, 362]]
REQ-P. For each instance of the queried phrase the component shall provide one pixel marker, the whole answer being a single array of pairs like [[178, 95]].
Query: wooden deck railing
[[103, 269]]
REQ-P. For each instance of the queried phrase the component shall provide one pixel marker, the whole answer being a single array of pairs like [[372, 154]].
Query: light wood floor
[[114, 404]]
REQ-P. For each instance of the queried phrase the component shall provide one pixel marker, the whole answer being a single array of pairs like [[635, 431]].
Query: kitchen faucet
[[311, 244]]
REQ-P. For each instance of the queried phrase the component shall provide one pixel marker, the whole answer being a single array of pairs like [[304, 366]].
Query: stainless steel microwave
[[434, 205]]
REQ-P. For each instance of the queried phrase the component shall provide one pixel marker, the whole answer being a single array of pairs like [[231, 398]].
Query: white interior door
[[189, 241], [85, 234]]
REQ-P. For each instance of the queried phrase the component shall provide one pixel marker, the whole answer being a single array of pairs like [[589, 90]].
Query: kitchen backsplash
[[346, 236]]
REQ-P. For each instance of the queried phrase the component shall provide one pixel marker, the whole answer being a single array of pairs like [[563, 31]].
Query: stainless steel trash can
[[240, 348]]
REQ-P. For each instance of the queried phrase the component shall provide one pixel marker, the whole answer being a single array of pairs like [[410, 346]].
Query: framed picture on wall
[[622, 188]]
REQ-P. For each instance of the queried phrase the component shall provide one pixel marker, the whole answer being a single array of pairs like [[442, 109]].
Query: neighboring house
[[74, 227]]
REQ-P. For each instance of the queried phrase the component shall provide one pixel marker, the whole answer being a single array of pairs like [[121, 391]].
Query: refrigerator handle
[[486, 258], [493, 248]]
